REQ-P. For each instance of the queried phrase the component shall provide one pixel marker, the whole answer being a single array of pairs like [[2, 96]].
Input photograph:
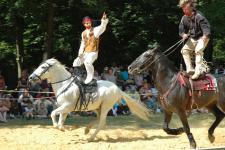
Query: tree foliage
[[134, 27]]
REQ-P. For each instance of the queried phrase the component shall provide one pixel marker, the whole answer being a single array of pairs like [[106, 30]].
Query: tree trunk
[[19, 29], [49, 35]]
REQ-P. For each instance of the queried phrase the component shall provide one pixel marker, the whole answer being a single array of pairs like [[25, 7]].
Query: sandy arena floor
[[121, 133]]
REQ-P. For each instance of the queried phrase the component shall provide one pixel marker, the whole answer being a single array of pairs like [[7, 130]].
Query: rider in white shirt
[[88, 51]]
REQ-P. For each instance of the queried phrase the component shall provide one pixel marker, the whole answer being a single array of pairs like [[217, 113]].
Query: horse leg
[[62, 118], [219, 117], [183, 118], [167, 119], [54, 121], [102, 122], [87, 129], [63, 109]]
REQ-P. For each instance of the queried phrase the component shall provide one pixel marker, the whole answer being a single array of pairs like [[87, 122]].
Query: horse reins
[[61, 80], [178, 44]]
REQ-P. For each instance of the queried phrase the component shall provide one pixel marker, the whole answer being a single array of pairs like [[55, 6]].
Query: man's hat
[[86, 19]]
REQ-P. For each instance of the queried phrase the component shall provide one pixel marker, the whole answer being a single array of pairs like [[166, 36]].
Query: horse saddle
[[91, 87], [88, 92], [205, 82]]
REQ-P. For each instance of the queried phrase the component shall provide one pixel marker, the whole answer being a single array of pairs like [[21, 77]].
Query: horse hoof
[[90, 139], [211, 138], [180, 131], [61, 128], [193, 145], [86, 131]]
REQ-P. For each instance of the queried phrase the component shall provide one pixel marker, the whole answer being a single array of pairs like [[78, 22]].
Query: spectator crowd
[[36, 100]]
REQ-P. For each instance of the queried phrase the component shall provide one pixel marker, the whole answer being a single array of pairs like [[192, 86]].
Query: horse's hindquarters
[[205, 98], [221, 89]]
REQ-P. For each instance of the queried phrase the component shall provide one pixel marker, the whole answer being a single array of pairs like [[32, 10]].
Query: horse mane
[[57, 63], [165, 60]]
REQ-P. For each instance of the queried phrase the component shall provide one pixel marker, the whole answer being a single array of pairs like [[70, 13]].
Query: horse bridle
[[147, 66], [45, 70]]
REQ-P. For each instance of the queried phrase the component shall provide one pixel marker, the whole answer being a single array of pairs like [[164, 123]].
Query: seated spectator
[[132, 92], [3, 112], [24, 100], [115, 109], [48, 105], [124, 74], [42, 111], [6, 102], [115, 68], [96, 75], [104, 73], [138, 80], [29, 111], [2, 85], [23, 82], [35, 86], [12, 105], [123, 108], [147, 97], [110, 76], [45, 86]]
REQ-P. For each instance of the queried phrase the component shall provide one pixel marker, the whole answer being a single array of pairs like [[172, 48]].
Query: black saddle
[[88, 92]]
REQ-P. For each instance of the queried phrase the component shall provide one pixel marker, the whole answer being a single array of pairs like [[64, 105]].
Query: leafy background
[[42, 29]]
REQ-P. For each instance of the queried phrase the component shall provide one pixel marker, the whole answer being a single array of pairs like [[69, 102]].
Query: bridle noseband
[[45, 70]]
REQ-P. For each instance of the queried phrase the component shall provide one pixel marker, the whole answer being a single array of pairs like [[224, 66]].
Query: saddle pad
[[88, 93], [207, 83]]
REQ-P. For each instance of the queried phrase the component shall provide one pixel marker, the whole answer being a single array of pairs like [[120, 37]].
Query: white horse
[[67, 94]]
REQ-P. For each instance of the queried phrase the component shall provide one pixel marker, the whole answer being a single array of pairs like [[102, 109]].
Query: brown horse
[[176, 97]]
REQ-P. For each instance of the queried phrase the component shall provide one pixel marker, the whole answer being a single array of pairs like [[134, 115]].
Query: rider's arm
[[81, 50], [182, 28], [101, 28], [205, 27]]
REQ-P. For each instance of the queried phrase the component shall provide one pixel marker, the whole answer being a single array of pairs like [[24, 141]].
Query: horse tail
[[136, 107]]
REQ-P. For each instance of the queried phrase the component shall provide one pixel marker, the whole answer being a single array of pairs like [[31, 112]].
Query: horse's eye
[[43, 67]]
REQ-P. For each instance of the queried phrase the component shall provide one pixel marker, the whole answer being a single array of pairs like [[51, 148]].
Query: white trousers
[[197, 47], [87, 58]]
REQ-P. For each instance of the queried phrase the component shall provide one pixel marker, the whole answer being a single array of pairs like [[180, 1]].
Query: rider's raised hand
[[104, 16]]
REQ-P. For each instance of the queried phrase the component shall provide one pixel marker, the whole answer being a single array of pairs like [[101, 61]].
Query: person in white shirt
[[88, 51]]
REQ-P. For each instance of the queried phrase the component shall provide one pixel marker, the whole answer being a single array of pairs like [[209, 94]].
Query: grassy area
[[126, 122]]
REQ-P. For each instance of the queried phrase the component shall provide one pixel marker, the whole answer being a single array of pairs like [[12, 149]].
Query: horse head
[[142, 62], [42, 72]]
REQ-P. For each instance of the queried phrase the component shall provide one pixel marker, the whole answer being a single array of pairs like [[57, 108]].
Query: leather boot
[[198, 64], [189, 67]]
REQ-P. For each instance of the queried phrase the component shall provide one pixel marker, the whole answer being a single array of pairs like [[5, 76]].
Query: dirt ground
[[121, 133]]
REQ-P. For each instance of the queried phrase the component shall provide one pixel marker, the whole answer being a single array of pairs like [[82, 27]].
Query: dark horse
[[177, 98]]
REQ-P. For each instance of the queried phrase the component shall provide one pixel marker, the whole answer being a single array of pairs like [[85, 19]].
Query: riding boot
[[189, 67], [90, 72], [198, 64]]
